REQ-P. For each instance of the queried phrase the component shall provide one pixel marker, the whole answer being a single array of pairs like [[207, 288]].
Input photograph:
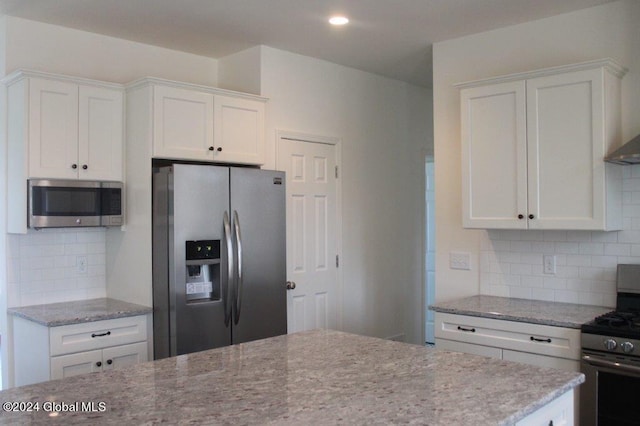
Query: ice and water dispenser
[[203, 271]]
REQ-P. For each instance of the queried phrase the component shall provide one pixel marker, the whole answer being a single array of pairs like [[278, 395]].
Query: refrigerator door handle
[[228, 297], [238, 286]]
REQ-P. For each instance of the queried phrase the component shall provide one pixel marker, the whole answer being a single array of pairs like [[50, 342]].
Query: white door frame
[[337, 142]]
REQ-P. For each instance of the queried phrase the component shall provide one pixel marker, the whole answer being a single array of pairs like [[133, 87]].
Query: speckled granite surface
[[316, 377], [523, 310], [56, 314]]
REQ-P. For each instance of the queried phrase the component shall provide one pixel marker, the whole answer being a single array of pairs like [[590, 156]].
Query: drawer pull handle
[[471, 330], [533, 339], [108, 333]]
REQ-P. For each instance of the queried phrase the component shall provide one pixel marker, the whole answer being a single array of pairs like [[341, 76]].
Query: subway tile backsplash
[[511, 262], [47, 266]]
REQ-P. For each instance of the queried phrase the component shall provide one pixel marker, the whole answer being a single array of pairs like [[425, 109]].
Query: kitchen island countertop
[[79, 311], [315, 377], [522, 310]]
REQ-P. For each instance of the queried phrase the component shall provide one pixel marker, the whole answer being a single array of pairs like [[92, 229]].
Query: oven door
[[609, 394]]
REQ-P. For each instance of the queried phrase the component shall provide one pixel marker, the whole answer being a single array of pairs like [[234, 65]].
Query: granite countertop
[[65, 313], [523, 310], [314, 377]]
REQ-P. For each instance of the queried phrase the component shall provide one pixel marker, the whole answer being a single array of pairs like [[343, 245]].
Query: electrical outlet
[[459, 260], [549, 262], [81, 264]]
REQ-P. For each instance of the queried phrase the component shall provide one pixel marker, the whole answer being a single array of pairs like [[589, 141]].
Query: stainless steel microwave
[[58, 203]]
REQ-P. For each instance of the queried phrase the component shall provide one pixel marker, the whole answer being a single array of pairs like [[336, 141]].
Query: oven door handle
[[611, 365]]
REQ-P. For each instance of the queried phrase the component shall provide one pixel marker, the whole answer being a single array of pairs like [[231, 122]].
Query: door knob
[[291, 285]]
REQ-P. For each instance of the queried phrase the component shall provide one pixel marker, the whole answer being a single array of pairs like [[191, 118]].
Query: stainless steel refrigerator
[[219, 261]]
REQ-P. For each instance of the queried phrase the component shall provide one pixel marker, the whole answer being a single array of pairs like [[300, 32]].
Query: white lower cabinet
[[558, 412], [101, 360], [48, 353], [533, 344]]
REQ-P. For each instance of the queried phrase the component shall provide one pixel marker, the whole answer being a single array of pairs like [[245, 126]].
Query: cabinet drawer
[[518, 336], [96, 335]]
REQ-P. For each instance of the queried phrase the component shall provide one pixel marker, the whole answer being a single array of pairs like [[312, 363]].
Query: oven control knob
[[627, 347], [610, 344]]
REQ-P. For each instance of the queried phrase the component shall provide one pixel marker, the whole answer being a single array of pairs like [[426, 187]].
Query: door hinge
[[337, 261], [336, 172]]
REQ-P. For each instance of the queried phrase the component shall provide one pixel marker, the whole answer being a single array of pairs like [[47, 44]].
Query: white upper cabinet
[[239, 130], [533, 146], [182, 124], [100, 133], [52, 118], [206, 124], [74, 130]]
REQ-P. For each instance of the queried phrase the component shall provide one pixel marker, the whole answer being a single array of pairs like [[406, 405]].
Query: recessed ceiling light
[[338, 20]]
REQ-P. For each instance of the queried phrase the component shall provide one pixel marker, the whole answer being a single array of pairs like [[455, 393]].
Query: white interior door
[[312, 223]]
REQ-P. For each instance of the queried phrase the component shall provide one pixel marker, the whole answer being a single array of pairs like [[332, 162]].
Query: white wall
[[384, 126], [509, 262], [51, 48]]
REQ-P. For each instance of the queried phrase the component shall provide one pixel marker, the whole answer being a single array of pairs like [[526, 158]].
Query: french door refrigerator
[[219, 261]]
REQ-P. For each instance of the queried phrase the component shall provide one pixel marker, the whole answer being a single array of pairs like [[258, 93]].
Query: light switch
[[459, 260]]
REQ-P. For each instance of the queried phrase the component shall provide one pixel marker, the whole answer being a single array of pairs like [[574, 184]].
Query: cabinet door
[[558, 412], [239, 130], [53, 129], [565, 131], [72, 365], [100, 133], [125, 355], [183, 124], [494, 162]]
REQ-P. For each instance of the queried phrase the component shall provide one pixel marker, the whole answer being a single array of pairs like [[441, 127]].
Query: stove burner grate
[[620, 319]]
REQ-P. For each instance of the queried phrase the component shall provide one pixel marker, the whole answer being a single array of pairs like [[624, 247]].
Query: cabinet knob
[[531, 216], [85, 167], [520, 216], [219, 149], [211, 148], [74, 166], [99, 364], [291, 285], [109, 361]]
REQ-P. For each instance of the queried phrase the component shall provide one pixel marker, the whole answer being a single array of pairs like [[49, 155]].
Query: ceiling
[[392, 38]]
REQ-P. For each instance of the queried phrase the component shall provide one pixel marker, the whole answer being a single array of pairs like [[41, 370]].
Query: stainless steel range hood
[[629, 153]]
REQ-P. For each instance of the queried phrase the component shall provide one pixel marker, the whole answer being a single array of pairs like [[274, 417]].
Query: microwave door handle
[[236, 224], [230, 266], [611, 365]]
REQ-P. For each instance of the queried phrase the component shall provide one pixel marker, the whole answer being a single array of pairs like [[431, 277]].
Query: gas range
[[610, 358], [614, 332]]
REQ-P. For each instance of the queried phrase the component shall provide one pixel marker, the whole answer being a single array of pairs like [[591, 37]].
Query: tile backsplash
[[48, 266], [511, 262]]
